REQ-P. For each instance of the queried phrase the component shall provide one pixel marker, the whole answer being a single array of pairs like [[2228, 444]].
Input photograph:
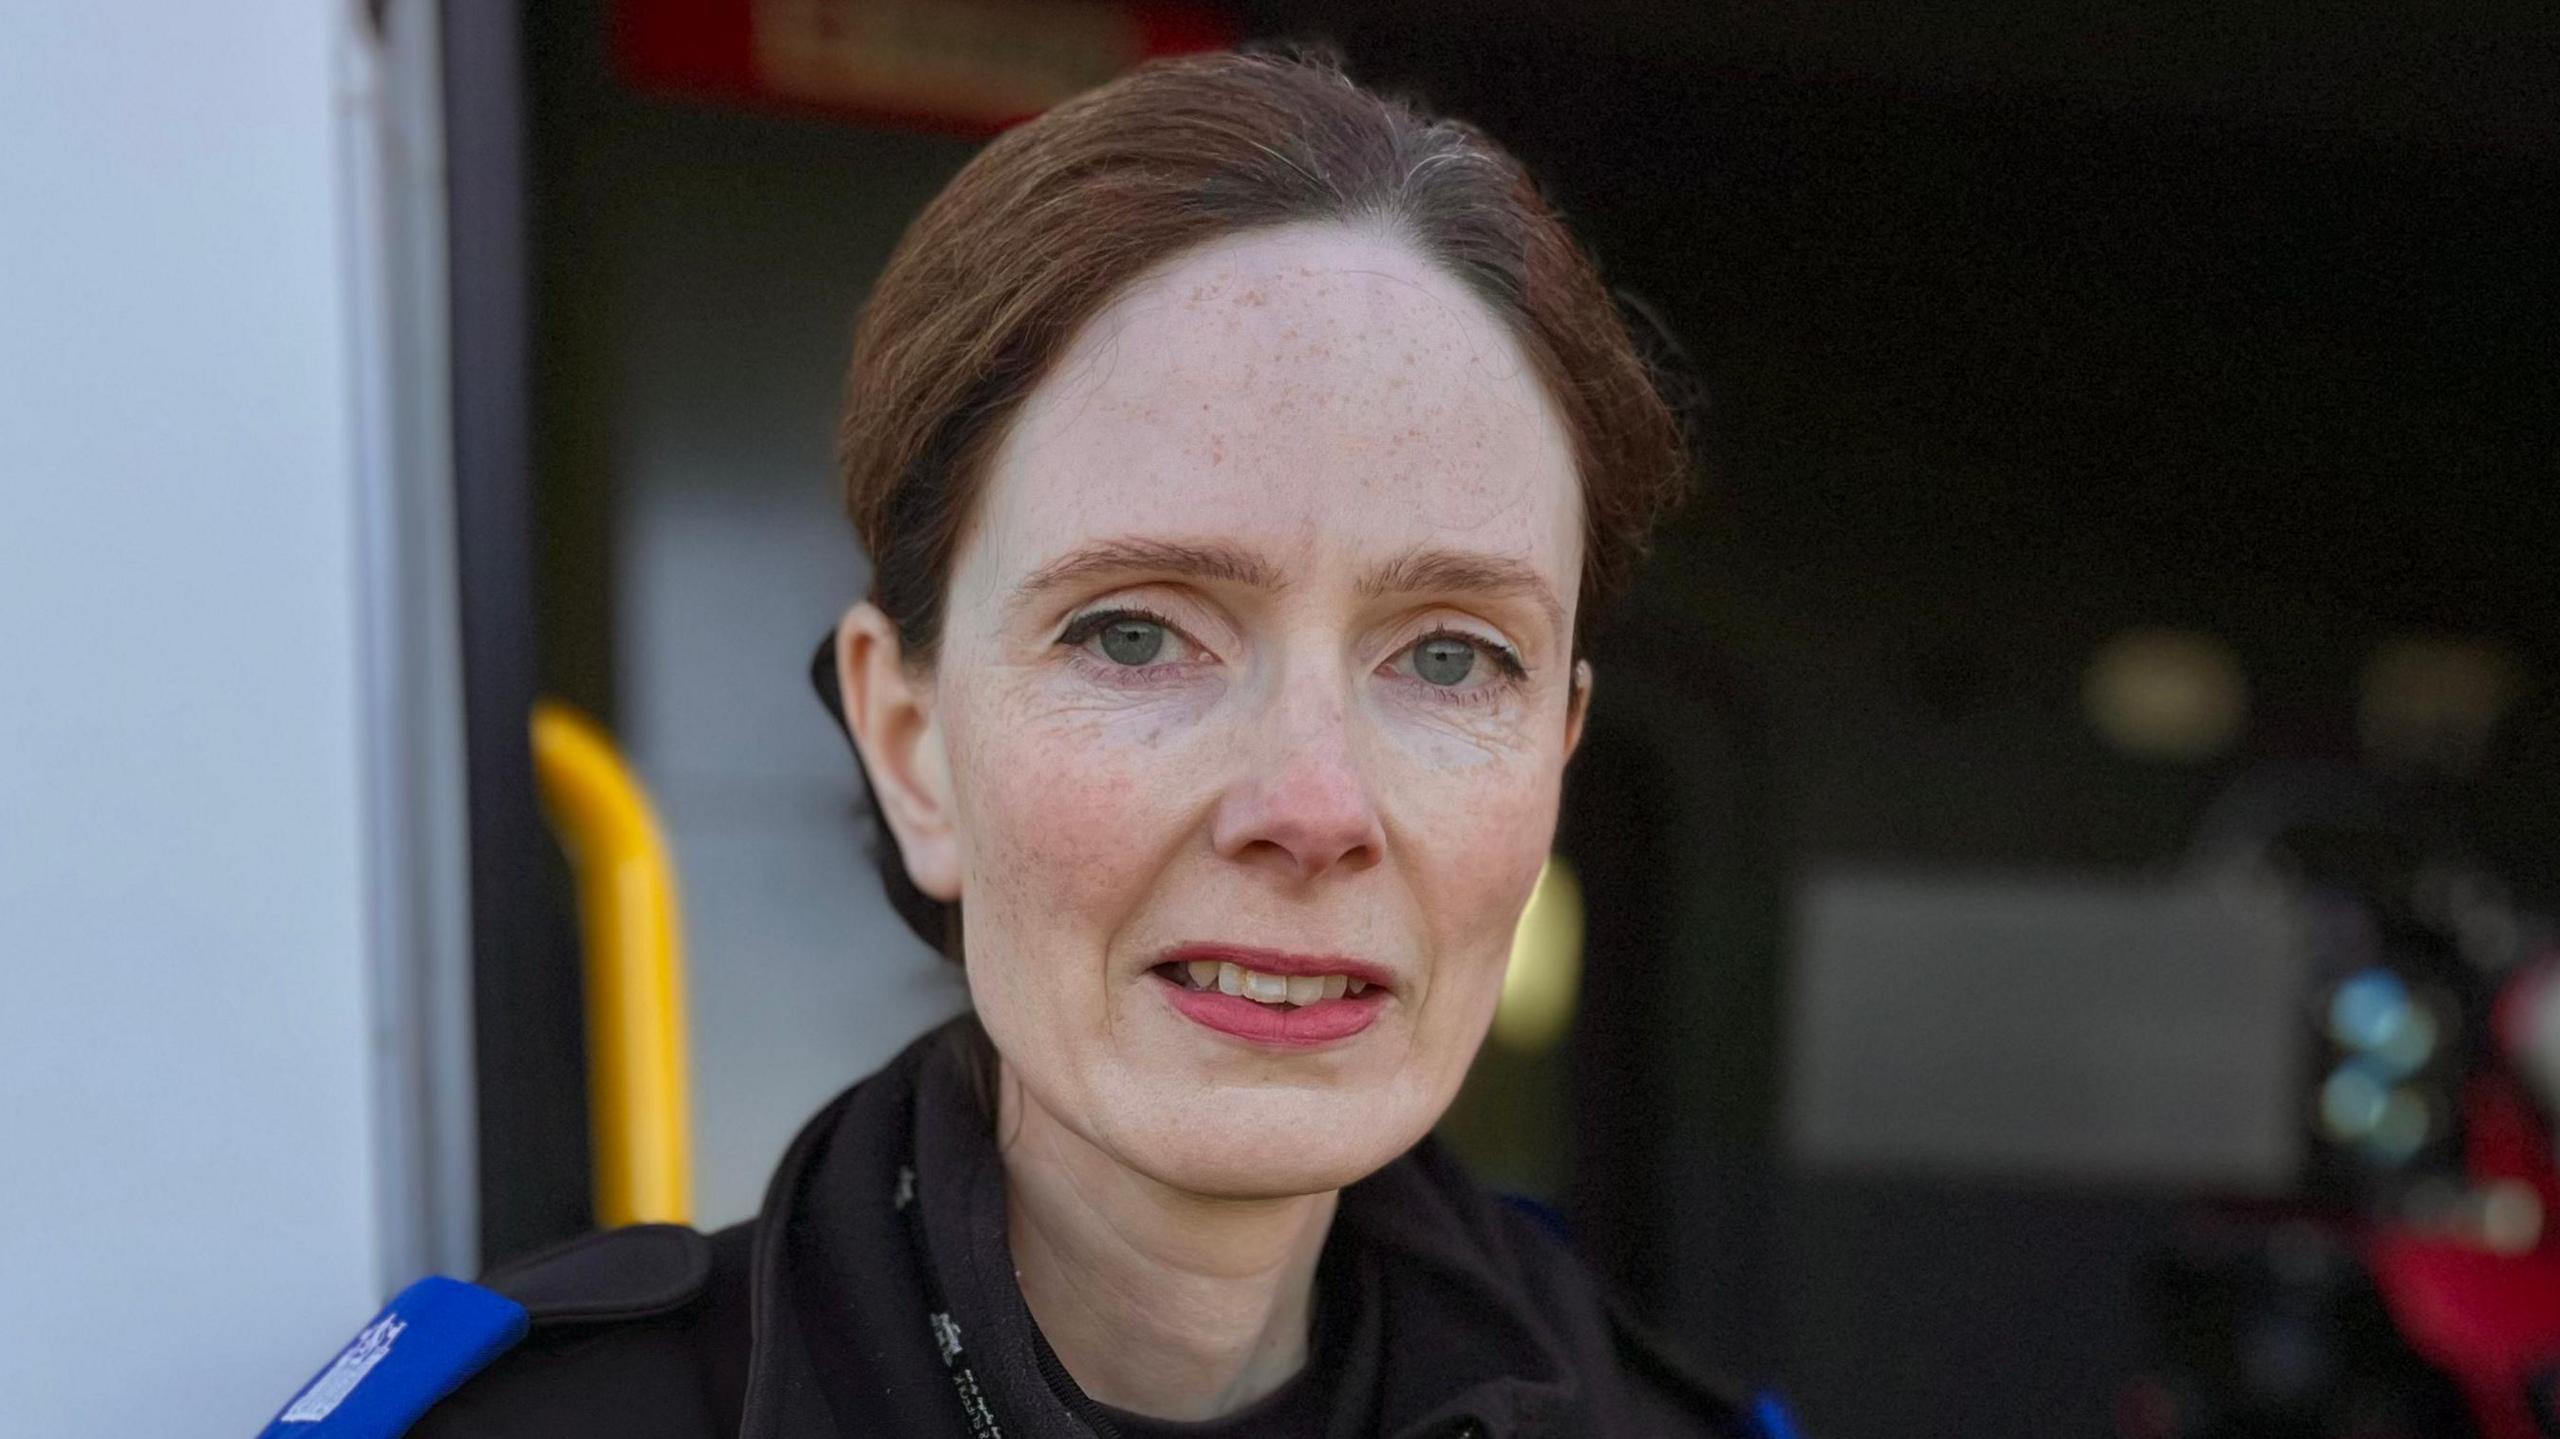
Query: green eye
[[1442, 660], [1132, 641]]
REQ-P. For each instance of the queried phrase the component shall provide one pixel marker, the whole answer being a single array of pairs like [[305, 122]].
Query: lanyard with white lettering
[[946, 1330]]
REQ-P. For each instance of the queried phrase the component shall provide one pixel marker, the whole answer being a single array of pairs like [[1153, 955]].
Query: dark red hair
[[1054, 218]]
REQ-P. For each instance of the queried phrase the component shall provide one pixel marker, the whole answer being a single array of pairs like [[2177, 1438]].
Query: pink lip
[[1327, 1021]]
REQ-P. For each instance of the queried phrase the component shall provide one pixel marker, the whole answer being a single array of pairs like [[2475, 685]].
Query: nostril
[[1309, 821], [1313, 850]]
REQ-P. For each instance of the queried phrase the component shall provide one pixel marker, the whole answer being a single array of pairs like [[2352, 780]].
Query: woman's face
[[1258, 652]]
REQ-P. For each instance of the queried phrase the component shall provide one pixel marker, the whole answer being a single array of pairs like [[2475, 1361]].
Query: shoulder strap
[[612, 1275], [439, 1332]]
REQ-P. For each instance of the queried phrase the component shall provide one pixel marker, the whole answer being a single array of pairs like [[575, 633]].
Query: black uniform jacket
[[875, 1295]]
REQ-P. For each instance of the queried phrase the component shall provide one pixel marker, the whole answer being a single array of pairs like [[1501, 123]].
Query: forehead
[[1318, 393]]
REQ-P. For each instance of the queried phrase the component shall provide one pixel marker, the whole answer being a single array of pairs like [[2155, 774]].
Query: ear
[[1577, 707], [889, 708]]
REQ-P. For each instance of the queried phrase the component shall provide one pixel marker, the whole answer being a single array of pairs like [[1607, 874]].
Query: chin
[[1245, 1142]]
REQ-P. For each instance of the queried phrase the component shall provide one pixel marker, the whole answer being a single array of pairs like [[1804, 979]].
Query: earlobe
[[888, 706]]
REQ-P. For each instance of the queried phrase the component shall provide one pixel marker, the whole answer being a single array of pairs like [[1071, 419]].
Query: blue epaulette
[[1771, 1415], [439, 1332], [432, 1336]]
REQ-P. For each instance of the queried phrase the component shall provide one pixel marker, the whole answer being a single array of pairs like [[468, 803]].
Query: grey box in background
[[2074, 1029]]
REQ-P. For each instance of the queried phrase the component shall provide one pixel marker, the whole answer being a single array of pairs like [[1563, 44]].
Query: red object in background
[[968, 67], [2490, 1320]]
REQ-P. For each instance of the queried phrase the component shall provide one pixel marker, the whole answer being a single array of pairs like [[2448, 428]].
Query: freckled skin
[[1280, 775]]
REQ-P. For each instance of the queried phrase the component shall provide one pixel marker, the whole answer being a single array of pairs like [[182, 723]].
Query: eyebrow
[[1422, 569], [1211, 561]]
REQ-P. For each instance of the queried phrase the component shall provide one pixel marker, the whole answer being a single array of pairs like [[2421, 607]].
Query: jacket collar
[[844, 1339]]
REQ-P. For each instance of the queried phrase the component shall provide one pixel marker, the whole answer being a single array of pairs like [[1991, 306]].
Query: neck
[[1159, 1302]]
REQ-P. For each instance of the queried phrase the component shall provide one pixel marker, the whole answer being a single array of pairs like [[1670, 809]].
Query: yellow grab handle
[[638, 1103]]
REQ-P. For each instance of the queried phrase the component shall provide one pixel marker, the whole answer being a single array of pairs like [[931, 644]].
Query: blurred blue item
[[2369, 1010], [1548, 1217], [2352, 1100], [1771, 1414]]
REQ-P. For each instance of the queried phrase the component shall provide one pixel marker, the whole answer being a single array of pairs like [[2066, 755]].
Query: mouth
[[1265, 997]]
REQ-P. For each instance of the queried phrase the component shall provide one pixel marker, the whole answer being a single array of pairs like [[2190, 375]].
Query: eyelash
[[1513, 673]]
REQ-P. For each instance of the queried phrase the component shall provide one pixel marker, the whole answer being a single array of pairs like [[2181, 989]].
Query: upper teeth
[[1230, 978]]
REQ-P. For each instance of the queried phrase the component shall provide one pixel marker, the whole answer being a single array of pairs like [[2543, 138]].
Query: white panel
[[188, 1223], [2075, 1029]]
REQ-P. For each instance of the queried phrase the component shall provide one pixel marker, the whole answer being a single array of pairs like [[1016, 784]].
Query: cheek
[[1060, 824], [1483, 847]]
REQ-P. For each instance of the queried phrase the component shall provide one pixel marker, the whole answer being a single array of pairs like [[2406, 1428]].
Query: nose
[[1301, 800]]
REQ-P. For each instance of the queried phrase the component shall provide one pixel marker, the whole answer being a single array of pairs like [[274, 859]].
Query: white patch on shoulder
[[339, 1380]]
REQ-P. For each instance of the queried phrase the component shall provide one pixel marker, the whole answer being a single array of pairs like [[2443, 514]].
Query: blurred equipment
[[636, 1065], [2272, 1328], [2412, 1286]]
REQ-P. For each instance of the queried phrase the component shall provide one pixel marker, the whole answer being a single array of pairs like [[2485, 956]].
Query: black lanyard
[[974, 1408]]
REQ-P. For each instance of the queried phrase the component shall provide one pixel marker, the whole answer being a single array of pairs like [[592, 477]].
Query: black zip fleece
[[875, 1295]]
